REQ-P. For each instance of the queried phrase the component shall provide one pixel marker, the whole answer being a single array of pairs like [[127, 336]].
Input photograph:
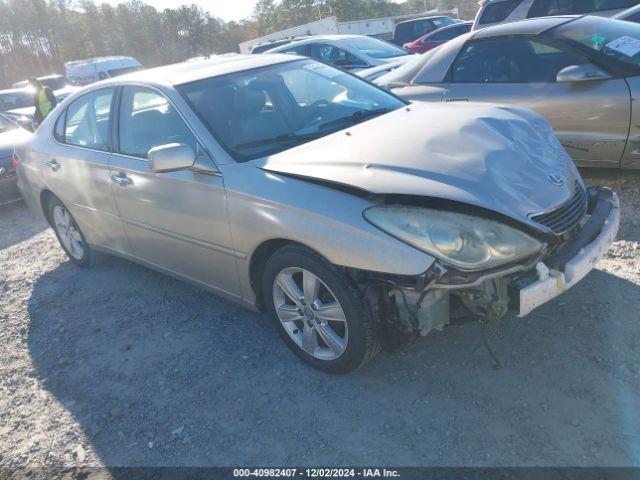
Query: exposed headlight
[[464, 241]]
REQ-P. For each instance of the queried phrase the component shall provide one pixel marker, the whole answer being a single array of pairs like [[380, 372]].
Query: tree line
[[38, 36]]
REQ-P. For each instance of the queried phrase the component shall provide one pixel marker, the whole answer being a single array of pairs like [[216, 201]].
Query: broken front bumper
[[572, 262]]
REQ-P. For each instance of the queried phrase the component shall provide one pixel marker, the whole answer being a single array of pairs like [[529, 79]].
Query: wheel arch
[[45, 197], [259, 259]]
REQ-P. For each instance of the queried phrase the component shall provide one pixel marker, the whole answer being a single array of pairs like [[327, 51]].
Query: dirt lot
[[121, 366]]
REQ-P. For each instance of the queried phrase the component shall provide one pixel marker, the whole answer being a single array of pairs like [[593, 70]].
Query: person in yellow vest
[[44, 99]]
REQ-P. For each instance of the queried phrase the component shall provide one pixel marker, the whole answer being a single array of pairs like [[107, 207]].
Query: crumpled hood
[[494, 157]]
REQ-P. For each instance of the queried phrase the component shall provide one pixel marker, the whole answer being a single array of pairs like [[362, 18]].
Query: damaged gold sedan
[[287, 185]]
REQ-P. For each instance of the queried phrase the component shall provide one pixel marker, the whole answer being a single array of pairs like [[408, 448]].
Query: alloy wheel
[[68, 232], [310, 313]]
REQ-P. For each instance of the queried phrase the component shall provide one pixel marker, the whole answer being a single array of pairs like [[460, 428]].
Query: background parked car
[[630, 14], [15, 98], [349, 52], [60, 86], [11, 135], [492, 12], [54, 82], [17, 104], [84, 72], [438, 37], [575, 71], [409, 30]]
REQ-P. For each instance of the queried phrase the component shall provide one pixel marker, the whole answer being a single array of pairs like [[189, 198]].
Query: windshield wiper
[[286, 138], [356, 117]]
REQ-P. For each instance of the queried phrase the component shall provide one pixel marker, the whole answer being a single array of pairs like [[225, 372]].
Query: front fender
[[264, 206]]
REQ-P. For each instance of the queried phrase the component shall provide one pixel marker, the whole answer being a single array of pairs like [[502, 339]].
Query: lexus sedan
[[291, 186], [581, 73]]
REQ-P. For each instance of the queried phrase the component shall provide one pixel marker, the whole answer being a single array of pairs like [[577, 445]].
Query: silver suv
[[493, 12]]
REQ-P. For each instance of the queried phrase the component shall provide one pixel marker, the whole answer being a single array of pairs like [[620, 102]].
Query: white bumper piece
[[552, 283]]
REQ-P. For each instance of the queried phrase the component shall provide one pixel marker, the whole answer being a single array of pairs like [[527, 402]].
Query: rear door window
[[148, 120], [87, 121]]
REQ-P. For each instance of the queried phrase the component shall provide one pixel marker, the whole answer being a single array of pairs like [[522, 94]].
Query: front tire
[[71, 238], [319, 311]]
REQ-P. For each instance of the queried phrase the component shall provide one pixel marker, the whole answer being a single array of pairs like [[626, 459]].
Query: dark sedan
[[438, 37], [10, 135]]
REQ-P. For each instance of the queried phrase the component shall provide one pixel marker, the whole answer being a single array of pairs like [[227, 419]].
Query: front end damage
[[418, 305]]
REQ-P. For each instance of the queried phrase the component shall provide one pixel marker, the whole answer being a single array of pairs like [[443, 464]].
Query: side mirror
[[171, 157], [581, 73]]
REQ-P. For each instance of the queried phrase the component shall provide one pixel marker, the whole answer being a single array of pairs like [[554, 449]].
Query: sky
[[225, 9]]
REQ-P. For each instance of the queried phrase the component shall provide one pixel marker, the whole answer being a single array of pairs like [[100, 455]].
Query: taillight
[[15, 160]]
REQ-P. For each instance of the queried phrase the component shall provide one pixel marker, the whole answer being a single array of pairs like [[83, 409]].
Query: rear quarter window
[[497, 12]]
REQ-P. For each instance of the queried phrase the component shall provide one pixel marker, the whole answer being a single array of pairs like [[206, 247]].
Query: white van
[[83, 72]]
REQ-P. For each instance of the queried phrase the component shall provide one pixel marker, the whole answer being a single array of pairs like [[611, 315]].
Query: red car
[[438, 37]]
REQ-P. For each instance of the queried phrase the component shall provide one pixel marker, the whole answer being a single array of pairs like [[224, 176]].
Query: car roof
[[453, 25], [91, 61], [423, 18], [321, 38], [530, 26], [186, 72]]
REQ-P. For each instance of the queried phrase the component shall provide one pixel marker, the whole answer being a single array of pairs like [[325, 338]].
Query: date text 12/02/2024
[[316, 472]]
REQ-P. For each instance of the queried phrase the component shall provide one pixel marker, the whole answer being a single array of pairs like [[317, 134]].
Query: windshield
[[6, 124], [375, 48], [260, 112], [614, 43], [16, 99]]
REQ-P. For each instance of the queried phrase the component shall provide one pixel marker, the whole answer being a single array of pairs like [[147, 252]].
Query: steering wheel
[[314, 110]]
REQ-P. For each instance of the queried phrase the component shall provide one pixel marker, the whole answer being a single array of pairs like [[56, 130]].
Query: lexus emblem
[[557, 179]]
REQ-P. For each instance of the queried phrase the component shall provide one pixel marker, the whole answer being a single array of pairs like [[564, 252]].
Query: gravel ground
[[122, 366]]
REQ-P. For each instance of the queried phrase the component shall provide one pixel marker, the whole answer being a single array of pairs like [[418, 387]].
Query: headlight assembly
[[464, 241]]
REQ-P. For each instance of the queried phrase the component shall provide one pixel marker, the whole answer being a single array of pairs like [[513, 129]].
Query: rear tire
[[319, 311], [71, 238]]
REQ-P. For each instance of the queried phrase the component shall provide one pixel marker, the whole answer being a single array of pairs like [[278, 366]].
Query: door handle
[[121, 179], [53, 165], [457, 99]]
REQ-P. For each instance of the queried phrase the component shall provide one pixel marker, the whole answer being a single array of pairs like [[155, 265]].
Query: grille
[[565, 217]]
